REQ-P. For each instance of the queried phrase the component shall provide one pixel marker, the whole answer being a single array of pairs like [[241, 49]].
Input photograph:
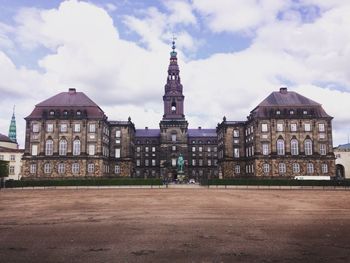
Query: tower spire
[[173, 98], [12, 130]]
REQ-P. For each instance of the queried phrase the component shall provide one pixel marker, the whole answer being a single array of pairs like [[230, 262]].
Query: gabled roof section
[[4, 138]]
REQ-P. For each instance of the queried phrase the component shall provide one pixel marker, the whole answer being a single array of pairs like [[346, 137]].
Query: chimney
[[199, 128], [146, 128], [283, 90], [72, 91]]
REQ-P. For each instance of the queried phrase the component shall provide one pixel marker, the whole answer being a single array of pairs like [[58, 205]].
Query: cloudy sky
[[232, 54]]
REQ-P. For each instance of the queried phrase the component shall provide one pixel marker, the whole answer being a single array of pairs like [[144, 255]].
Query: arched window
[[294, 147], [62, 147], [49, 147], [76, 147], [308, 147], [173, 106], [280, 147]]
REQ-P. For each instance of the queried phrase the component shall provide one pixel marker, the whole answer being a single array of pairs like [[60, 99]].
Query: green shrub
[[278, 182], [83, 182]]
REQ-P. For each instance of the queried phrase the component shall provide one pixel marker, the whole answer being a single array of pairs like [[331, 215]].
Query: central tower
[[173, 98], [173, 126]]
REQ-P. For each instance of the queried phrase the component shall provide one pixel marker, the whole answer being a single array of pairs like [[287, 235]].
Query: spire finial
[[173, 47], [14, 107]]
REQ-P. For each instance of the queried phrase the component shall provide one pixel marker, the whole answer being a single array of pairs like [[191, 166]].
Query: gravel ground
[[174, 225]]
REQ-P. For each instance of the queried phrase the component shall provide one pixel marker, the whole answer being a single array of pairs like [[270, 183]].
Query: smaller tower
[[12, 130]]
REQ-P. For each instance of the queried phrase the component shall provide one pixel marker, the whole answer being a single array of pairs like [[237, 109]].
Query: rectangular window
[[324, 168], [323, 149], [75, 168], [265, 149], [36, 127], [34, 149], [76, 127], [1, 157], [293, 127], [307, 126], [12, 157], [209, 162], [321, 127], [282, 168], [91, 149], [173, 148], [264, 127], [296, 168], [153, 162], [235, 133], [266, 168], [237, 169], [309, 168], [138, 162], [117, 133], [32, 168], [49, 127], [200, 162], [193, 162], [146, 149], [279, 127], [193, 148], [63, 127], [91, 168], [173, 137], [61, 168], [173, 162], [92, 127], [209, 149], [117, 169], [138, 149], [146, 162], [236, 152], [117, 153], [11, 170], [200, 149], [153, 149]]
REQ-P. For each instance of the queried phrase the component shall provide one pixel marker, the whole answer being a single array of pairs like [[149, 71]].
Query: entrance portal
[[340, 171]]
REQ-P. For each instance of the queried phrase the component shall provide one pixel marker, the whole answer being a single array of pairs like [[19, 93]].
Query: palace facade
[[68, 135]]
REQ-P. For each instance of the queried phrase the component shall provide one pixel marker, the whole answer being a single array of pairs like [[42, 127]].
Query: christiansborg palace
[[287, 134]]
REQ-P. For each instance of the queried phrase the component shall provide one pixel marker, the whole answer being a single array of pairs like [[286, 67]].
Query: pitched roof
[[287, 98], [70, 100], [343, 147], [202, 133], [4, 138], [147, 132], [283, 99]]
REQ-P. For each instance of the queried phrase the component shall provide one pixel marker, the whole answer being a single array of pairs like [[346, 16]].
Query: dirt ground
[[174, 225]]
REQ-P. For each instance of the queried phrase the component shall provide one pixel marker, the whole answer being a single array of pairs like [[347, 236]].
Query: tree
[[4, 171]]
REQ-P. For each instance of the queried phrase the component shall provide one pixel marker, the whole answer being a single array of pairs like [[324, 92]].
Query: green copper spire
[[12, 129]]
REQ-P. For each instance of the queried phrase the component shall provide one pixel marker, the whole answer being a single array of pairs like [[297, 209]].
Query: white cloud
[[125, 79], [238, 15]]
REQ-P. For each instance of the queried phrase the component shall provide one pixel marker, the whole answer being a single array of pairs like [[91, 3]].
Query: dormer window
[[52, 112], [65, 113], [278, 112], [78, 113], [305, 112], [291, 112]]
